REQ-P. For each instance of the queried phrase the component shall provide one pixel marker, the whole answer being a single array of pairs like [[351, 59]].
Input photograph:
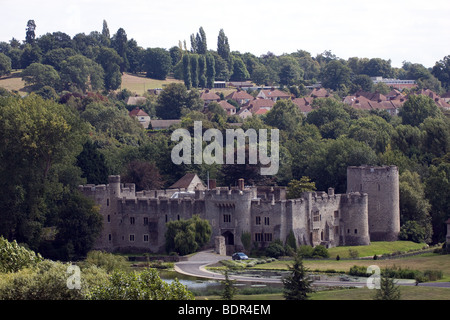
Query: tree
[[145, 175], [157, 63], [174, 99], [187, 71], [145, 285], [93, 164], [297, 286], [120, 44], [186, 236], [417, 108], [377, 67], [40, 75], [240, 72], [30, 35], [202, 71], [14, 257], [284, 115], [223, 47], [441, 70], [193, 61], [388, 289], [106, 37], [297, 187], [335, 75], [79, 72], [210, 71], [110, 60], [79, 225], [362, 82], [5, 64], [202, 47], [290, 71], [229, 289]]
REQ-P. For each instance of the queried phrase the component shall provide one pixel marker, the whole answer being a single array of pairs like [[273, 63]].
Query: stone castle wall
[[136, 221]]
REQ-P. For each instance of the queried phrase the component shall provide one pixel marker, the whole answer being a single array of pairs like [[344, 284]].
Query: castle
[[369, 211]]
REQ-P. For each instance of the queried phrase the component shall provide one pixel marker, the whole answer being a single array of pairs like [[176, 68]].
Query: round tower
[[114, 186], [382, 186]]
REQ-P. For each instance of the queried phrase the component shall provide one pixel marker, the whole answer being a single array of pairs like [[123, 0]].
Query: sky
[[399, 30]]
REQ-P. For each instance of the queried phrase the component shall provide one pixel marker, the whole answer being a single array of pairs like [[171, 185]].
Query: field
[[140, 84], [14, 82]]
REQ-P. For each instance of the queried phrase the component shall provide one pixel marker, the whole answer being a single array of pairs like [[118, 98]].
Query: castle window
[[145, 221], [348, 230], [336, 214], [227, 218], [258, 220], [166, 218], [145, 237], [110, 237], [178, 217], [107, 202], [267, 237], [266, 221], [356, 231], [258, 237], [109, 218], [316, 216], [379, 187], [132, 220], [131, 237]]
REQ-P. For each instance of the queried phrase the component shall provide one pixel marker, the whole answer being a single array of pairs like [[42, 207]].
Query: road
[[195, 266]]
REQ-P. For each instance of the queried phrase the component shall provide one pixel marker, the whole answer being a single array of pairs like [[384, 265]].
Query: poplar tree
[[210, 70], [187, 71], [223, 48]]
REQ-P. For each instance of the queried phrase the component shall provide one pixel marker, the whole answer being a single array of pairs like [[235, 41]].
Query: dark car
[[239, 256]]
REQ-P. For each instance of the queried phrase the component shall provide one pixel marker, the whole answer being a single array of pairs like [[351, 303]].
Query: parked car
[[239, 256]]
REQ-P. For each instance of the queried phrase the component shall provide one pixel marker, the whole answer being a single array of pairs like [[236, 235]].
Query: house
[[240, 96], [141, 115], [190, 182], [229, 108], [304, 104], [259, 103], [136, 101], [319, 93], [395, 83], [163, 124], [208, 97], [273, 94], [446, 96], [244, 113]]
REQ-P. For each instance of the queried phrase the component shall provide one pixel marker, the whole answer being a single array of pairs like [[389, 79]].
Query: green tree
[[229, 290], [40, 75], [441, 70], [413, 204], [377, 67], [210, 71], [79, 72], [145, 175], [93, 164], [417, 108], [106, 37], [297, 187], [373, 130], [388, 289], [223, 47], [202, 46], [14, 257], [145, 285], [157, 63], [5, 64], [175, 99], [120, 43], [110, 60], [297, 286], [186, 236], [193, 61], [187, 71], [336, 75], [30, 35], [79, 225], [240, 72], [284, 115]]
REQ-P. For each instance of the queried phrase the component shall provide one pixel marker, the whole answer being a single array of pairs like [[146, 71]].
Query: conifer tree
[[297, 286]]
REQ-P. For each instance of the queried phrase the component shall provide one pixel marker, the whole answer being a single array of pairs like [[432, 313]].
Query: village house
[[304, 104], [208, 97], [229, 108], [240, 96], [141, 115], [273, 94], [244, 113], [257, 104]]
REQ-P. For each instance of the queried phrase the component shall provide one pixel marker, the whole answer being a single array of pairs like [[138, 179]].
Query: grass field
[[14, 82], [406, 293], [376, 248], [140, 84]]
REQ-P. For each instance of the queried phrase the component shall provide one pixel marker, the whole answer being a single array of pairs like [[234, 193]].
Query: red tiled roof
[[208, 95], [138, 112], [227, 106], [304, 104], [240, 95]]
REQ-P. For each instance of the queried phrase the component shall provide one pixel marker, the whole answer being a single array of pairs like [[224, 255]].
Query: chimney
[[212, 183], [241, 184], [331, 191]]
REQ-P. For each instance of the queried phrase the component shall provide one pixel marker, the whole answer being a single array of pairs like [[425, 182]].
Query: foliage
[[48, 280], [275, 249], [14, 257], [229, 289], [145, 285], [297, 187], [417, 108], [106, 261], [5, 64], [144, 175], [388, 289], [157, 63], [186, 236], [297, 286]]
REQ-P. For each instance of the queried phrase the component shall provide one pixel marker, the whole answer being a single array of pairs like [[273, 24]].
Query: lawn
[[140, 84], [376, 248], [13, 82]]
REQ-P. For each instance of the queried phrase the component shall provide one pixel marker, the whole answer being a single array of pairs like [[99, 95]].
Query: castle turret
[[114, 186], [382, 186]]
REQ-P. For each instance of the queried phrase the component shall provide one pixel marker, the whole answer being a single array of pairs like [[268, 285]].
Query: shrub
[[320, 252], [275, 249], [353, 253], [107, 261], [14, 257]]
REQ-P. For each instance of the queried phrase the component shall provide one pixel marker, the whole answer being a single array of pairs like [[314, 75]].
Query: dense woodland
[[74, 128]]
